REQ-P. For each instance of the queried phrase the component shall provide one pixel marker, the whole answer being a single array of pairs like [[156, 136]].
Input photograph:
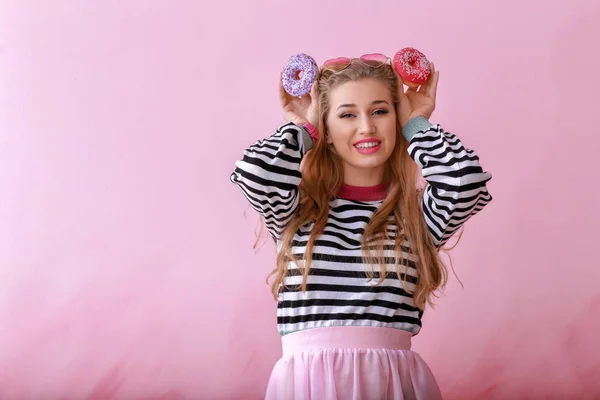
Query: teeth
[[367, 145]]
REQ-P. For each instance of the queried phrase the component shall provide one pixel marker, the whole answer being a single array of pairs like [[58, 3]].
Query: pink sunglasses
[[374, 60]]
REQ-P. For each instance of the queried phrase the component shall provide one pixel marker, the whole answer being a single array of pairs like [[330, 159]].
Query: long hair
[[322, 177]]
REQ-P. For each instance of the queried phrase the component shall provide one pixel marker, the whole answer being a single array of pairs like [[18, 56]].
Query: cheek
[[390, 132], [338, 133], [392, 142], [331, 130]]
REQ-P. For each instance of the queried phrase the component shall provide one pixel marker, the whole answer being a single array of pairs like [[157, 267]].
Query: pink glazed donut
[[299, 74], [412, 66]]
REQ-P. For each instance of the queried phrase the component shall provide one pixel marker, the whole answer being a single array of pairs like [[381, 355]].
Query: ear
[[329, 141]]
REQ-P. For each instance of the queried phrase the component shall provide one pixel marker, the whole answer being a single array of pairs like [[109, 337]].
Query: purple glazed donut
[[295, 86]]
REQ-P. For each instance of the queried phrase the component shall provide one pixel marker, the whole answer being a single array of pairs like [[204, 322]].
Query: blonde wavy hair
[[322, 177]]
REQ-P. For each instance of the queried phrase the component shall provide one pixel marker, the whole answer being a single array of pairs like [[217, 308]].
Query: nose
[[367, 126]]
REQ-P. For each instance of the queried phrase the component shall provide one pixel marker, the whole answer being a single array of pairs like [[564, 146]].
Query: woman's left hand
[[417, 101]]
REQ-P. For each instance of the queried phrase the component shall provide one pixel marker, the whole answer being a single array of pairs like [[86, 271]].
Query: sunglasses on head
[[374, 60]]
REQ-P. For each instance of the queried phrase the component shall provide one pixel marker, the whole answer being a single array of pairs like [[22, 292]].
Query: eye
[[380, 112], [347, 115]]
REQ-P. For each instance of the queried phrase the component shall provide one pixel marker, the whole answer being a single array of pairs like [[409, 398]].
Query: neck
[[363, 177]]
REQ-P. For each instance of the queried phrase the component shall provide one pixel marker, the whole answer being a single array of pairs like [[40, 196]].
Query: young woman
[[357, 241]]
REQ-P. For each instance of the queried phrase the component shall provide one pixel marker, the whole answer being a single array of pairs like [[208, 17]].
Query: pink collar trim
[[363, 193]]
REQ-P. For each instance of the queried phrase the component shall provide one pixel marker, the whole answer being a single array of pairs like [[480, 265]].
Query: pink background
[[126, 261]]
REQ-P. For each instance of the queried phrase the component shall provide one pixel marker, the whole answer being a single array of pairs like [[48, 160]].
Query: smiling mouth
[[367, 145]]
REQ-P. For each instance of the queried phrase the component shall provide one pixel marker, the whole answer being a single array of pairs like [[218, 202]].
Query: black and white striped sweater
[[338, 291]]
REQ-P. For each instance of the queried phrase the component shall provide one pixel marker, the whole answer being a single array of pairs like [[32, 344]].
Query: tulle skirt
[[351, 363]]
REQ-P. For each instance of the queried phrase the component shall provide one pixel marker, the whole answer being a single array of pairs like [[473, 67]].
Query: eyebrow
[[372, 103]]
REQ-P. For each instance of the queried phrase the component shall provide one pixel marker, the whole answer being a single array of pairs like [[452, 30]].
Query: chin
[[373, 163], [365, 161], [374, 160]]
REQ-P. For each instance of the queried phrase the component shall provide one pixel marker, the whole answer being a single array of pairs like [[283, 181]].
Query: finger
[[432, 89], [412, 90], [432, 77], [425, 86], [283, 96], [400, 88], [314, 95], [313, 108], [412, 87]]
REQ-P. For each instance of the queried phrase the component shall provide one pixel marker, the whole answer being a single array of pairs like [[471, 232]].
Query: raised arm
[[269, 175], [456, 187]]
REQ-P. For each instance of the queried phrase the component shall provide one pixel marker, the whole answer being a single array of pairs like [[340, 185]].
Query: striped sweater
[[338, 290]]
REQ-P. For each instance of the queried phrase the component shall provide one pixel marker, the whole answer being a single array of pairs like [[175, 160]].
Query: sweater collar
[[363, 193]]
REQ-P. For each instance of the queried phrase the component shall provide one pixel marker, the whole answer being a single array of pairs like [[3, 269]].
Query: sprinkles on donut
[[299, 74], [412, 66]]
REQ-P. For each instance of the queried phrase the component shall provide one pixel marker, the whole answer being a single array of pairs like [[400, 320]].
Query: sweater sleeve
[[456, 187], [269, 175]]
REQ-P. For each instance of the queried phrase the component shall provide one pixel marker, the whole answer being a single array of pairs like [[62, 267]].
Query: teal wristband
[[414, 126]]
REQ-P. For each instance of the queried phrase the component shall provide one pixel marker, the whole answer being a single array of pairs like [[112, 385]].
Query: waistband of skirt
[[346, 337]]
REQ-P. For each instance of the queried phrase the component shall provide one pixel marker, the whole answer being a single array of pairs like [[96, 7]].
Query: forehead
[[361, 92]]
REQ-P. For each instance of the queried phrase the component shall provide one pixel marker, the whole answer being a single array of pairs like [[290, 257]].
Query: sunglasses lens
[[337, 64], [374, 60]]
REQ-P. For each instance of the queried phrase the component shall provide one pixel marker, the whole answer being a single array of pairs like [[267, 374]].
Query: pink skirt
[[351, 363]]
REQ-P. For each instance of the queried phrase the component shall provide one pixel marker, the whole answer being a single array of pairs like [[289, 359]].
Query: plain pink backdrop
[[126, 261]]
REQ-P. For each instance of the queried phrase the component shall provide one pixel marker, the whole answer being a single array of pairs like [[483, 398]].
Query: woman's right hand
[[300, 110]]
